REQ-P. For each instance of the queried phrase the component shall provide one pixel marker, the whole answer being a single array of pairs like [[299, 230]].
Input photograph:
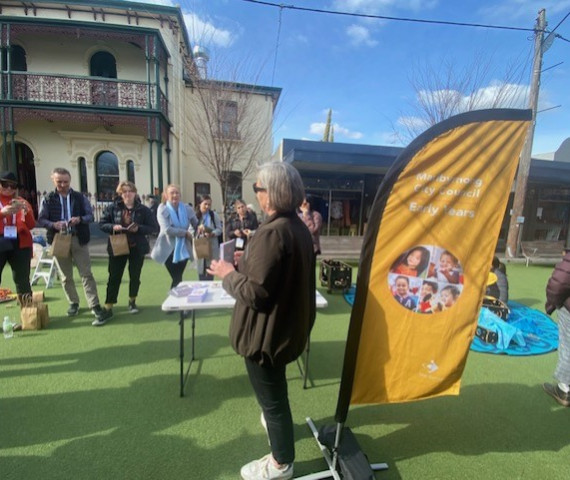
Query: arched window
[[107, 167], [82, 175], [103, 64], [131, 171], [103, 92]]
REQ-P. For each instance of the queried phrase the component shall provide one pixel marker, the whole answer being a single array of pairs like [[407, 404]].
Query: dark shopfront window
[[344, 201], [547, 213]]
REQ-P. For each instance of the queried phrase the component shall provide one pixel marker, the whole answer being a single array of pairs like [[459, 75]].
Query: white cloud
[[204, 32], [379, 7], [495, 95], [318, 128], [200, 31], [360, 35]]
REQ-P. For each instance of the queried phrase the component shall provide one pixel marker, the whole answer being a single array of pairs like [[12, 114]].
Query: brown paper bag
[[30, 318], [119, 244], [43, 312], [203, 247], [61, 245], [38, 297]]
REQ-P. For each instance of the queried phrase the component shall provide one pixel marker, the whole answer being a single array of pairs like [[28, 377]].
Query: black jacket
[[275, 292], [141, 215], [558, 286]]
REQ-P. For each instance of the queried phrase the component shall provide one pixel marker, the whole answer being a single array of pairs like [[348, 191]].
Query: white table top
[[216, 297]]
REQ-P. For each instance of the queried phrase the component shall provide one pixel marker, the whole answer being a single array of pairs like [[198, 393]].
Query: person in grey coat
[[177, 222]]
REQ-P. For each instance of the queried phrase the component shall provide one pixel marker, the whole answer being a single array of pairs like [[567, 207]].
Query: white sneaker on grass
[[265, 469]]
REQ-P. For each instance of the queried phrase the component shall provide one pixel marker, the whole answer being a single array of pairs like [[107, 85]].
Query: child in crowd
[[412, 263], [402, 295], [448, 270]]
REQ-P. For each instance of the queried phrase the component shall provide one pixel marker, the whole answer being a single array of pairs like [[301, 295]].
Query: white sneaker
[[264, 469]]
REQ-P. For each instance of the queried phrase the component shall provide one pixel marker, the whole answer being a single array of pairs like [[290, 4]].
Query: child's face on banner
[[402, 287], [446, 263], [414, 258]]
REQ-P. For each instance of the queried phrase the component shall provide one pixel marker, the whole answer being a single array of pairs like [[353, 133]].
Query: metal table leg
[[184, 375]]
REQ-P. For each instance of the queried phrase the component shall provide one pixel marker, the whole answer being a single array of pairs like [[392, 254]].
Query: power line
[[560, 22], [386, 17]]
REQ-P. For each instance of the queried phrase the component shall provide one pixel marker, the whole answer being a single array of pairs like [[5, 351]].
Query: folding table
[[216, 298]]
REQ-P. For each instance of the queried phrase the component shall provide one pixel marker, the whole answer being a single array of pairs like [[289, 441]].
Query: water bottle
[[8, 327]]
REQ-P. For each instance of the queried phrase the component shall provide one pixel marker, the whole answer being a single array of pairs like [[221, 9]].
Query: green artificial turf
[[79, 402]]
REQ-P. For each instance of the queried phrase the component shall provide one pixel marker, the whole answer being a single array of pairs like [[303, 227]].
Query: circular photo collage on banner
[[426, 279]]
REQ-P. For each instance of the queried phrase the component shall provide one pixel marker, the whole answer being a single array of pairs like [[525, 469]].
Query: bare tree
[[231, 124], [444, 90]]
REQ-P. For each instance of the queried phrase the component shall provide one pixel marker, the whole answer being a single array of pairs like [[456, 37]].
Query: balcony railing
[[30, 87]]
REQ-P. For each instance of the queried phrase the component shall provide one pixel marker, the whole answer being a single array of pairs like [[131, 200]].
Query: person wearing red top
[[16, 221]]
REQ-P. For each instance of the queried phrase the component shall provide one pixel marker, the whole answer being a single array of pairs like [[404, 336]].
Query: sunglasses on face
[[8, 185], [257, 189]]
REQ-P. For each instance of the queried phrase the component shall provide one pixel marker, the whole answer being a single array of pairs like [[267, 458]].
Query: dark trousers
[[116, 270], [19, 259], [270, 386], [175, 270]]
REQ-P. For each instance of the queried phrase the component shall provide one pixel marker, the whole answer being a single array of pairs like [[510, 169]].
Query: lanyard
[[66, 220], [13, 216]]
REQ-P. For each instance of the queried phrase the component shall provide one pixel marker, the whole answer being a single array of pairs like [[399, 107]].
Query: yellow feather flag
[[426, 257]]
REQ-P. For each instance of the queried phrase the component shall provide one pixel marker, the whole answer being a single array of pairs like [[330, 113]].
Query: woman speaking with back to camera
[[274, 288]]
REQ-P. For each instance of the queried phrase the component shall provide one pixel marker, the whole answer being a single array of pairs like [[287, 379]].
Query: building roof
[[335, 157], [310, 155]]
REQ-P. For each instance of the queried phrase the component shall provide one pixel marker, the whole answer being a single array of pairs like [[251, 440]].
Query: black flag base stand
[[342, 453]]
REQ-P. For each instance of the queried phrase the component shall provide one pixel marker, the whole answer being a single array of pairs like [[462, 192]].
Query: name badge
[[239, 242], [10, 231]]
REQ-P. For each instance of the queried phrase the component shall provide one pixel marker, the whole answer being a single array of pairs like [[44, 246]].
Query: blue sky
[[364, 69]]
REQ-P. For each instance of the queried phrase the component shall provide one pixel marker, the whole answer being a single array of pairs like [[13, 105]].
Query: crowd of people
[[273, 280]]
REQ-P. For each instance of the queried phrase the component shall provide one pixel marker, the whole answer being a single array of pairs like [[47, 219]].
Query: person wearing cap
[[16, 221], [558, 298], [67, 210]]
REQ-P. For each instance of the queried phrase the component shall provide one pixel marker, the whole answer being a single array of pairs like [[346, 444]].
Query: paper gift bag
[[203, 247], [61, 245], [34, 316], [43, 313], [119, 244], [30, 318], [38, 297]]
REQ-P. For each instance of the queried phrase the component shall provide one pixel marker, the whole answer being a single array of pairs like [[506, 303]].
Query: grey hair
[[285, 189], [60, 171]]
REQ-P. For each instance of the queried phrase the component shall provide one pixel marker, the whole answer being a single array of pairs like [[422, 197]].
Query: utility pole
[[517, 219]]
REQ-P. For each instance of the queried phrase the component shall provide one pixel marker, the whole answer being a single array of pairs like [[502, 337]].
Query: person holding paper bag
[[274, 288], [129, 217], [173, 246], [210, 227], [241, 224], [16, 221], [64, 209]]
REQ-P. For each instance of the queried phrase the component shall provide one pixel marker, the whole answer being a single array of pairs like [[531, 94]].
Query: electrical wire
[[386, 17]]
